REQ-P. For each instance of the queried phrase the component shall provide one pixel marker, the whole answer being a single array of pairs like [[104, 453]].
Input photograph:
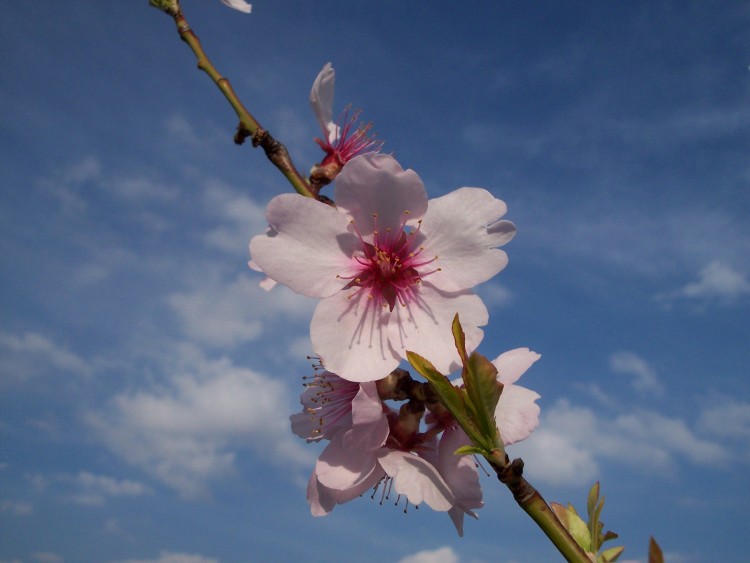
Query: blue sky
[[146, 381]]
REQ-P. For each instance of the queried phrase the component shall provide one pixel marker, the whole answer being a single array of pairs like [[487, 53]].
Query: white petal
[[456, 231], [517, 414], [351, 335], [240, 5], [375, 183], [513, 364], [424, 325], [321, 100], [306, 247], [417, 480]]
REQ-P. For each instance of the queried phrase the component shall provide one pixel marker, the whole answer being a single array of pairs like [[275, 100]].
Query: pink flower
[[346, 139], [364, 454], [240, 5], [391, 269]]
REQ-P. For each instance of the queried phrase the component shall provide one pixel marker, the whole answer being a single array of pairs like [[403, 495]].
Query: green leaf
[[593, 498], [610, 555], [470, 450], [460, 339], [450, 396], [578, 529], [483, 390]]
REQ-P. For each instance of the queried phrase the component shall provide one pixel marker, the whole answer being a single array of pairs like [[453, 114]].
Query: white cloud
[[171, 557], [644, 377], [31, 353], [17, 508], [188, 432], [730, 419], [494, 294], [225, 314], [94, 489], [139, 189], [441, 555], [571, 443], [241, 219], [715, 281], [558, 451], [47, 557]]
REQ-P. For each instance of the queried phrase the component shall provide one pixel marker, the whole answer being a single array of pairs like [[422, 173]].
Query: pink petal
[[343, 469], [369, 425], [321, 100], [351, 335], [424, 325], [459, 472], [375, 183], [455, 228], [306, 247], [321, 499], [513, 364], [517, 413], [417, 480]]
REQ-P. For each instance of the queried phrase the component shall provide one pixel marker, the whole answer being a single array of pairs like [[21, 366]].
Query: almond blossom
[[342, 140], [372, 446], [391, 269]]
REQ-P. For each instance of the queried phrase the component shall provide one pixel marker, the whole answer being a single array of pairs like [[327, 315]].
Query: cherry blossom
[[391, 269], [240, 5]]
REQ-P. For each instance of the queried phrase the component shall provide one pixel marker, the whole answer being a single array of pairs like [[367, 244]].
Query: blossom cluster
[[391, 269]]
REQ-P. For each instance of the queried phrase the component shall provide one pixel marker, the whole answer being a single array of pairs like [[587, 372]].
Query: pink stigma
[[390, 267], [354, 139]]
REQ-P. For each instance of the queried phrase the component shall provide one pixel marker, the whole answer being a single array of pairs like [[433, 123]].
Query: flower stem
[[248, 125], [529, 499]]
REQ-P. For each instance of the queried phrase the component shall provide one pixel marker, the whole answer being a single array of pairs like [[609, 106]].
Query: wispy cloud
[[716, 281], [15, 507], [644, 377], [440, 555], [729, 419], [94, 490], [172, 557], [29, 354], [495, 295], [224, 314]]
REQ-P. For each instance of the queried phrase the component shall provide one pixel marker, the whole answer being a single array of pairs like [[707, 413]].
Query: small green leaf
[[450, 396], [460, 339], [578, 529], [483, 390], [470, 450], [612, 554], [593, 498]]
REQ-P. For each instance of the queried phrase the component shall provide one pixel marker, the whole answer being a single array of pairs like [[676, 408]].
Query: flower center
[[390, 267]]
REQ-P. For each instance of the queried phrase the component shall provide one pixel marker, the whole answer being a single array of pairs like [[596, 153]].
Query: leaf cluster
[[473, 405], [589, 534]]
